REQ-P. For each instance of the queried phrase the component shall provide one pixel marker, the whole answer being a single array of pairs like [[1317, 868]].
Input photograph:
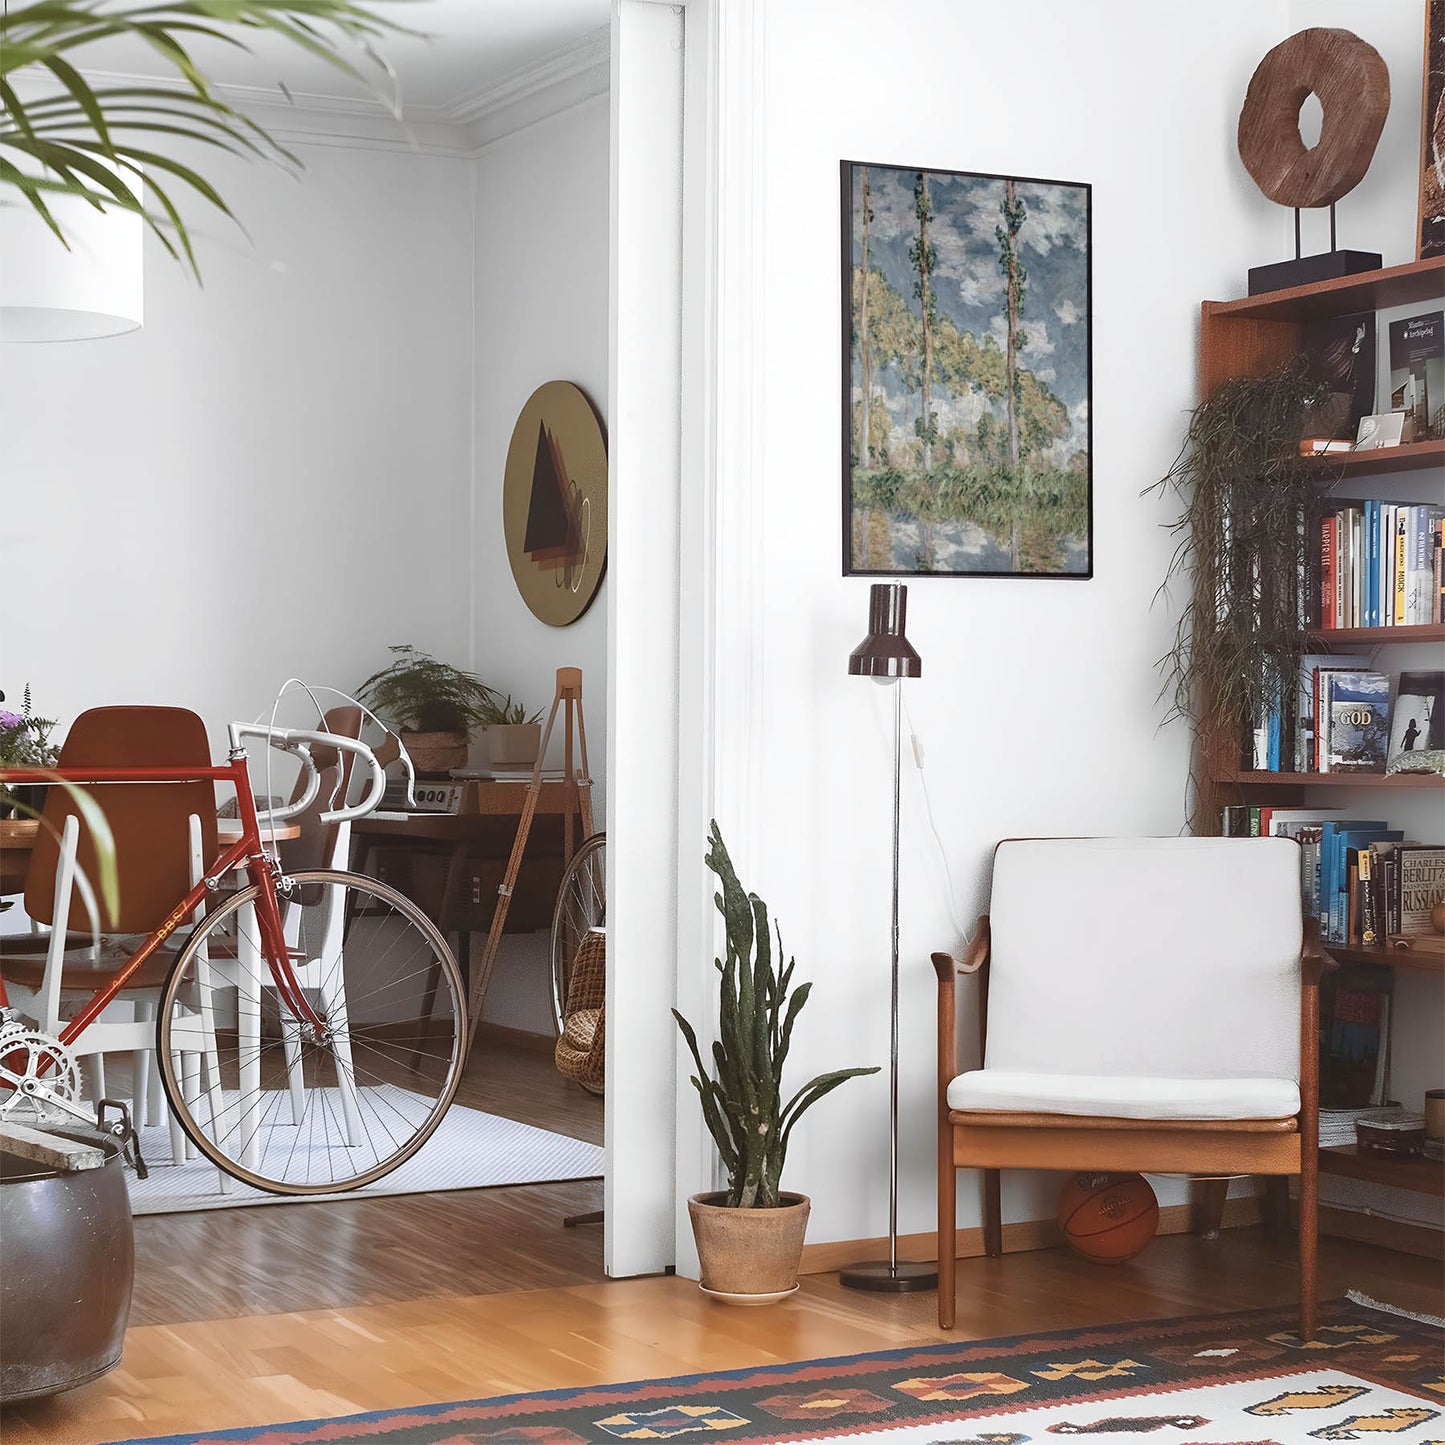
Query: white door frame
[[685, 594]]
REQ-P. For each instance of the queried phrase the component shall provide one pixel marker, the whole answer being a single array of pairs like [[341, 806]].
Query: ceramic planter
[[749, 1256], [434, 755], [513, 745]]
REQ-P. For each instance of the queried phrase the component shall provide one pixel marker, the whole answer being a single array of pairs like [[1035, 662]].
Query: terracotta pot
[[749, 1251], [513, 745], [434, 755]]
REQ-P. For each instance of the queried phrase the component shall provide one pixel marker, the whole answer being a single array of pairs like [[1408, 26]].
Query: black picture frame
[[975, 479]]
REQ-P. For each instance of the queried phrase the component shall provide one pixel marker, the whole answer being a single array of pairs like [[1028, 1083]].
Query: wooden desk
[[451, 864]]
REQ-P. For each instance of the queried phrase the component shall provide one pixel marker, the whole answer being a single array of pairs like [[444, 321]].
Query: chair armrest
[[974, 958]]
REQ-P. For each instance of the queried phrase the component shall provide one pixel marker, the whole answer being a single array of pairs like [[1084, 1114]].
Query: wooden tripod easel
[[578, 784]]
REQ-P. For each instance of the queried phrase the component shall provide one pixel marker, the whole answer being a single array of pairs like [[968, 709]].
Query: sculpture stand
[[1306, 270]]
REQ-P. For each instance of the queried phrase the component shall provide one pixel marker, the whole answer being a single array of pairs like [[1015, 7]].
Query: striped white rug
[[470, 1150]]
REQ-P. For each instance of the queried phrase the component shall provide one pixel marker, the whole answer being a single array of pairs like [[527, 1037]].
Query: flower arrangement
[[25, 738]]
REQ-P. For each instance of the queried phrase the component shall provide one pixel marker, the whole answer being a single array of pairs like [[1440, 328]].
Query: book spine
[[1322, 722], [1369, 934], [1398, 604], [1372, 564], [1385, 601], [1412, 564], [1437, 603], [1327, 574], [1341, 539]]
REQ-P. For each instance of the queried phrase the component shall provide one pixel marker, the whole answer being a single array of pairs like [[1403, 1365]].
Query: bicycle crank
[[37, 1074]]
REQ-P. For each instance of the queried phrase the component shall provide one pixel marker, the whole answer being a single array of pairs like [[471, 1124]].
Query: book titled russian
[[1421, 884], [1417, 369], [1357, 710]]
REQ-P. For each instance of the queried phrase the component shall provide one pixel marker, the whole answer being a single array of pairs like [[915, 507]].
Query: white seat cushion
[[1118, 1097]]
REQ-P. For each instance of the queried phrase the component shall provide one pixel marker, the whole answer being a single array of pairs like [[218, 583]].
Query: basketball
[[1108, 1217]]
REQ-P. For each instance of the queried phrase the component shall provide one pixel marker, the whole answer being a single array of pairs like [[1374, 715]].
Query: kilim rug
[[1237, 1379]]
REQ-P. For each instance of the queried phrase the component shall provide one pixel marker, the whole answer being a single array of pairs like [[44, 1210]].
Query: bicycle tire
[[581, 904], [356, 1068]]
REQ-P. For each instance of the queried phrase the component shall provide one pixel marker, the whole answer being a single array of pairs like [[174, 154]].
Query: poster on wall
[[1432, 139], [966, 375]]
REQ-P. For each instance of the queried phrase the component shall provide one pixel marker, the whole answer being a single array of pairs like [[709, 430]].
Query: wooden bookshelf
[[1378, 636], [1407, 1171], [1409, 457], [1423, 961], [1415, 281], [1247, 779]]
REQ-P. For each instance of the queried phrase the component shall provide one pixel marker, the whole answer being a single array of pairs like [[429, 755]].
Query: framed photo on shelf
[[967, 346], [1432, 138]]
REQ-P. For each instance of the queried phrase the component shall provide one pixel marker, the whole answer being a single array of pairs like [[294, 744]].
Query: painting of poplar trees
[[966, 389]]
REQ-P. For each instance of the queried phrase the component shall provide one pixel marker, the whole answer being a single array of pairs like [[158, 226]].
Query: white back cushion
[[1170, 957]]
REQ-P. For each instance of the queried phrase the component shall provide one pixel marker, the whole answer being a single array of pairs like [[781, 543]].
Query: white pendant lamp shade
[[48, 293]]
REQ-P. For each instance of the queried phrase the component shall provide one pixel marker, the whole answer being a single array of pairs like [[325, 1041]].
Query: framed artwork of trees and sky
[[966, 383]]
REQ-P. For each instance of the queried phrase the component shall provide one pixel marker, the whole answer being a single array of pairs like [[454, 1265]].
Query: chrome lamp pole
[[887, 657]]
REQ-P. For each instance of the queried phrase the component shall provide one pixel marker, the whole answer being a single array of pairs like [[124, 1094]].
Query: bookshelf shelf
[[1329, 780], [1375, 636], [1416, 281], [1410, 457], [1420, 962], [1414, 1172]]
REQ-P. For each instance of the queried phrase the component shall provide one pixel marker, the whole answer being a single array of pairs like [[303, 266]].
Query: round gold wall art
[[554, 503], [1353, 86]]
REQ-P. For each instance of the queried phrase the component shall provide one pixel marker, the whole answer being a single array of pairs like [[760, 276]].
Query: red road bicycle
[[311, 1029]]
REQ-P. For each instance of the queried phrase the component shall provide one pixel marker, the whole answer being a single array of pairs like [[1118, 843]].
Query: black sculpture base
[[881, 1278], [1306, 270]]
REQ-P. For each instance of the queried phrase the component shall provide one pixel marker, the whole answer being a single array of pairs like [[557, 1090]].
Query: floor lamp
[[886, 656]]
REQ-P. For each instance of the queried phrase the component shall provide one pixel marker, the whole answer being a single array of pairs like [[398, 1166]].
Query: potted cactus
[[750, 1236]]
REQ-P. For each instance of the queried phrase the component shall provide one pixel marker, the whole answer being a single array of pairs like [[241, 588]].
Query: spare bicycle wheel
[[581, 905], [279, 1104]]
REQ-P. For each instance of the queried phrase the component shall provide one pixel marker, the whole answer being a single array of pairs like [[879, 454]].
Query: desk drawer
[[457, 888]]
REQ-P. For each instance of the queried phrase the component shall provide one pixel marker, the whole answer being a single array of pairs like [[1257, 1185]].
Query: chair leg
[[947, 1226], [1207, 1198], [1308, 1245], [992, 1214]]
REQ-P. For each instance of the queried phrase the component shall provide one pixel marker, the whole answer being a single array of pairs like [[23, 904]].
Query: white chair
[[1144, 1004]]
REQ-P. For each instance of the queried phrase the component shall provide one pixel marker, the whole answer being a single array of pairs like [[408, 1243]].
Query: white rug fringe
[[1355, 1297]]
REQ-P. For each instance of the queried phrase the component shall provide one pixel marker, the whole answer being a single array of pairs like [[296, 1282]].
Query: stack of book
[[1347, 718], [1337, 1126], [1361, 878], [1377, 564]]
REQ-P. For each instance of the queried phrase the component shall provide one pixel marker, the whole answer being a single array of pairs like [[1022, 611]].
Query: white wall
[[541, 277], [1037, 707], [303, 420]]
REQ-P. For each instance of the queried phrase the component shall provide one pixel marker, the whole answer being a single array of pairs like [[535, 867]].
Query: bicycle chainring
[[28, 1054]]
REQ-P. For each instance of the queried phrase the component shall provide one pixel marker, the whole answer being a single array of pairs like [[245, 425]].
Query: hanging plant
[[1247, 493]]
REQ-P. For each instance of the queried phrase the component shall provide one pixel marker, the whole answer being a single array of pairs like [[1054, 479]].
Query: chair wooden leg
[[992, 1214], [947, 1223], [1206, 1198], [1308, 1244]]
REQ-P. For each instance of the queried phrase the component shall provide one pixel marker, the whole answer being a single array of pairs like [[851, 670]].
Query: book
[[1419, 884], [1420, 587], [1417, 721], [1417, 369], [1340, 354], [1397, 604], [1305, 759], [1355, 713], [1355, 1038]]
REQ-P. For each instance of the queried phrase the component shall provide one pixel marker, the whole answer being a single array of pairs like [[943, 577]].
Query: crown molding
[[553, 77], [565, 78]]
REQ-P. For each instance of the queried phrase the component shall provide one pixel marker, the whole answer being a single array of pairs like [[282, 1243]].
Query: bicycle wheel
[[276, 1103], [581, 904]]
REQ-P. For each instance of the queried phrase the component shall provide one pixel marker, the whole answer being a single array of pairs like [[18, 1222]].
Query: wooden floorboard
[[258, 1370], [223, 1263]]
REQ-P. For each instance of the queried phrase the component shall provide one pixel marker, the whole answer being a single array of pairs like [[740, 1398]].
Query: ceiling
[[466, 48]]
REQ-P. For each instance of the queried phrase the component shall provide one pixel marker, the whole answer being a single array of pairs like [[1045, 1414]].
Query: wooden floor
[[225, 1263], [266, 1369], [256, 1316]]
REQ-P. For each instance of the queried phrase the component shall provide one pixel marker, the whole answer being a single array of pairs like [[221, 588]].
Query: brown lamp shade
[[886, 652]]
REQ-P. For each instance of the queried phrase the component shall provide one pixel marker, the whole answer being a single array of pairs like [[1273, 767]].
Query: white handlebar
[[299, 741]]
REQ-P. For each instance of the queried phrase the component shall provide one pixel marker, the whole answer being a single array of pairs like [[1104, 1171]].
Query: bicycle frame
[[248, 850]]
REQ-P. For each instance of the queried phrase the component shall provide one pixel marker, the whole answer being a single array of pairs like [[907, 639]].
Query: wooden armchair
[[1146, 1004]]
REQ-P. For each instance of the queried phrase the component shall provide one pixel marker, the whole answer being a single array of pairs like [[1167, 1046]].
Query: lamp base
[[880, 1277]]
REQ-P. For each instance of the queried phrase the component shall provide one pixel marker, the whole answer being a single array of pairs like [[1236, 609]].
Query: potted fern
[[434, 704], [750, 1235]]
